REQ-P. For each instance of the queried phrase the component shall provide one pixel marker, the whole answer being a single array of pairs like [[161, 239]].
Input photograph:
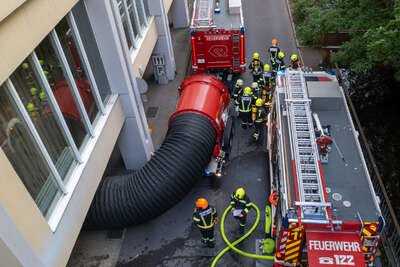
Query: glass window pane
[[124, 23], [142, 15], [19, 146], [34, 99], [76, 66], [131, 12], [146, 7], [52, 68], [92, 50]]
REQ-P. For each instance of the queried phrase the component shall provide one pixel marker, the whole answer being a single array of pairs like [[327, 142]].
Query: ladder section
[[311, 192], [204, 13]]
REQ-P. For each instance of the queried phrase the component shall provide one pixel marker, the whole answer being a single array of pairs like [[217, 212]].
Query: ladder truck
[[218, 37], [326, 214]]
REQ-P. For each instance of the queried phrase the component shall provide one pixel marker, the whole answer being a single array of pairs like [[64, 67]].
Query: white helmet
[[239, 82], [254, 85]]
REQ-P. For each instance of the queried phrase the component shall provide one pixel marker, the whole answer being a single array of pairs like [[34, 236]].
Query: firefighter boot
[[211, 243], [241, 229]]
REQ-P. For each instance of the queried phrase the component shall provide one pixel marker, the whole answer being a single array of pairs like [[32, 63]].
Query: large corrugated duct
[[194, 134]]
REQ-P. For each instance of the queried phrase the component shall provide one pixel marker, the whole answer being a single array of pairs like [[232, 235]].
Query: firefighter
[[295, 62], [205, 217], [260, 117], [255, 67], [238, 89], [266, 78], [279, 64], [244, 103], [256, 90], [241, 205], [273, 51]]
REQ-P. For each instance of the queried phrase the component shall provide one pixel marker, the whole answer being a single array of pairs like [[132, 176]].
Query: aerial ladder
[[204, 12], [311, 204], [311, 199]]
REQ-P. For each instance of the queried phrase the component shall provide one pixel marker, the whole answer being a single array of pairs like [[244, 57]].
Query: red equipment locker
[[217, 36]]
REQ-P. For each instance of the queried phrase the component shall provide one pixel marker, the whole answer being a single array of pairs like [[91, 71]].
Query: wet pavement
[[171, 239]]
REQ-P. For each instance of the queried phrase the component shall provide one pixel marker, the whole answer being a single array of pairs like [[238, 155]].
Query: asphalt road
[[171, 239]]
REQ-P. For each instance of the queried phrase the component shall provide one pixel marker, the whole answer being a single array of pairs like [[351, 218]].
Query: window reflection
[[76, 66], [59, 85], [36, 102], [19, 146]]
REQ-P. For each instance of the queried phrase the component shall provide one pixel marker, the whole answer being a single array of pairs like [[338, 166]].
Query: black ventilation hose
[[170, 174]]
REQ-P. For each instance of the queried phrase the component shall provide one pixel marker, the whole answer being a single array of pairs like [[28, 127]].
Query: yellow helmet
[[247, 91], [239, 82], [281, 55], [33, 90], [267, 67], [254, 85], [239, 193], [30, 106], [256, 55], [259, 102], [293, 57]]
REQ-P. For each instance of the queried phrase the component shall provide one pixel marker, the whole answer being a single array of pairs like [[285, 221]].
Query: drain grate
[[151, 112]]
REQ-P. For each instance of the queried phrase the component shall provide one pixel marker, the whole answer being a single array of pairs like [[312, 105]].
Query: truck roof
[[229, 17], [348, 185]]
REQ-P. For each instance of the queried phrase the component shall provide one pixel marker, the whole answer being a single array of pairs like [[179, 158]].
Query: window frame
[[66, 186], [139, 26]]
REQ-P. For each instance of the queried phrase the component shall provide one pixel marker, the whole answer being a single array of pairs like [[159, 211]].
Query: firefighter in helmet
[[273, 51], [266, 78], [205, 217], [255, 67], [256, 90], [279, 64], [238, 89], [295, 62], [260, 116], [244, 103], [241, 205]]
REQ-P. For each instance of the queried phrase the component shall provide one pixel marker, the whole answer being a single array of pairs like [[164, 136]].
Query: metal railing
[[391, 232]]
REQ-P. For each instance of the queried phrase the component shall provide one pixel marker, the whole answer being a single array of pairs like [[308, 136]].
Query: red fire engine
[[327, 213], [217, 36]]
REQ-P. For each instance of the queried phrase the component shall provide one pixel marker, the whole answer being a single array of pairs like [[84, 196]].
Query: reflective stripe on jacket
[[245, 102], [205, 219], [241, 204]]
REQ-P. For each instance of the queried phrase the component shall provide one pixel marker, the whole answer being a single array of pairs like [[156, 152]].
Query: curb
[[294, 31]]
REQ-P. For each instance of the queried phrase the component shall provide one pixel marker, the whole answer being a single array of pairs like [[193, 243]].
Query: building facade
[[70, 82]]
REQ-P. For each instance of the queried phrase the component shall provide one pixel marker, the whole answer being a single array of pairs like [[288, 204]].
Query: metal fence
[[391, 232]]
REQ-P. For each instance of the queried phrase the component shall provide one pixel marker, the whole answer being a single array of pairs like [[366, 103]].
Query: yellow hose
[[232, 245]]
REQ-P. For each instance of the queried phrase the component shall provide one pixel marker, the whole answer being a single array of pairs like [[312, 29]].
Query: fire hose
[[194, 134], [233, 244]]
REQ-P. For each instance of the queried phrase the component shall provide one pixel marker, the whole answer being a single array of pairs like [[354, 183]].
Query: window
[[134, 18], [18, 144], [48, 108], [146, 8]]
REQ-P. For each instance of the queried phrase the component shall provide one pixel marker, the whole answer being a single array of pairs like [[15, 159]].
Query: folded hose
[[170, 174], [232, 245]]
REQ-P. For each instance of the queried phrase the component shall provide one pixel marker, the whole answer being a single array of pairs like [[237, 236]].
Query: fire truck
[[218, 36], [324, 208]]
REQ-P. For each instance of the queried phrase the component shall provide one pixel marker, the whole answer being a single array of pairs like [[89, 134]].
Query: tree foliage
[[373, 25]]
